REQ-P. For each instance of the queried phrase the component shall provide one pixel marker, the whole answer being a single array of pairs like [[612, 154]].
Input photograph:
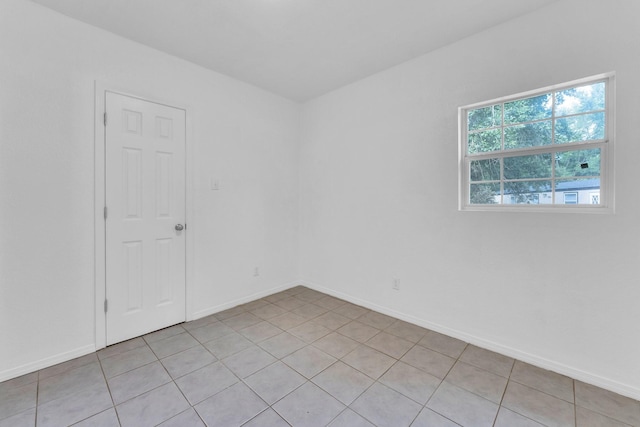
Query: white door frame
[[99, 203]]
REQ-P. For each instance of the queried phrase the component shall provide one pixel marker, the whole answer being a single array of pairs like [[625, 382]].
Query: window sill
[[561, 209]]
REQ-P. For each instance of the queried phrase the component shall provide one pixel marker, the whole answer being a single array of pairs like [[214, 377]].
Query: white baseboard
[[587, 377], [560, 368], [82, 351], [46, 362], [218, 308]]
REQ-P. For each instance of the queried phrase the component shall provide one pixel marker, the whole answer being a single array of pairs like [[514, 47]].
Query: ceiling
[[299, 49]]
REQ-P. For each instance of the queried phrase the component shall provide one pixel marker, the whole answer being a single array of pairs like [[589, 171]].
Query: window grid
[[551, 148]]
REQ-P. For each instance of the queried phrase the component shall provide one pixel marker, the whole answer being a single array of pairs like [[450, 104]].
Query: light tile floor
[[303, 358]]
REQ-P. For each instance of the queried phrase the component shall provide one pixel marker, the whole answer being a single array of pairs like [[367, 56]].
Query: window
[[539, 151], [571, 198]]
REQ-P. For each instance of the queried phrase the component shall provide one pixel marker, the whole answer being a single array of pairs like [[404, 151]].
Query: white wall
[[244, 137], [379, 200]]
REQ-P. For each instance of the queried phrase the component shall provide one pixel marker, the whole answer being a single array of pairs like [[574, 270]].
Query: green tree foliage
[[484, 193], [528, 109], [485, 118]]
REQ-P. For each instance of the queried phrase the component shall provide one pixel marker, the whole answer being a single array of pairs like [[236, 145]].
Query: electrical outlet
[[256, 272], [396, 284]]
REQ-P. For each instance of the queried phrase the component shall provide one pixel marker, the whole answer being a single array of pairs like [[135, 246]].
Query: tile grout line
[[575, 403], [109, 390], [35, 420], [442, 381], [504, 393], [270, 406], [173, 380], [310, 380], [375, 381]]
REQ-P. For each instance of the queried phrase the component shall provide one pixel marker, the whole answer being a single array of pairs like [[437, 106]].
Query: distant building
[[576, 192]]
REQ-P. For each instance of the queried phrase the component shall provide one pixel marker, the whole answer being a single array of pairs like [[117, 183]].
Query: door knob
[[179, 227]]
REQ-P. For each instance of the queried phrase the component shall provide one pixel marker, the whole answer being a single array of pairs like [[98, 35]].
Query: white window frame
[[606, 157]]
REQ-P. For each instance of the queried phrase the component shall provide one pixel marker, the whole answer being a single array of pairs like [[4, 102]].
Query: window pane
[[529, 135], [577, 191], [536, 166], [484, 194], [578, 163], [528, 109], [486, 117], [581, 99], [526, 192], [480, 142], [484, 170], [585, 127]]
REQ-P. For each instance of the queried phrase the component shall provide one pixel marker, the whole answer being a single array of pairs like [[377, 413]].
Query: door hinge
[[105, 212], [105, 306], [105, 119]]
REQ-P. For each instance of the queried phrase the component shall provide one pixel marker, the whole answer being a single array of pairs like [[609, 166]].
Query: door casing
[[99, 202]]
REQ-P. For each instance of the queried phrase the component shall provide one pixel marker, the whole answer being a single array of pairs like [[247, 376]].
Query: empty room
[[319, 213]]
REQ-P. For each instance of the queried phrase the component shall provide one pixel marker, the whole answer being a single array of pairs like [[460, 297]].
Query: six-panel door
[[145, 198]]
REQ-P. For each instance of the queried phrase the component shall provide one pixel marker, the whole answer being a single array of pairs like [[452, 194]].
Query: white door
[[145, 199]]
